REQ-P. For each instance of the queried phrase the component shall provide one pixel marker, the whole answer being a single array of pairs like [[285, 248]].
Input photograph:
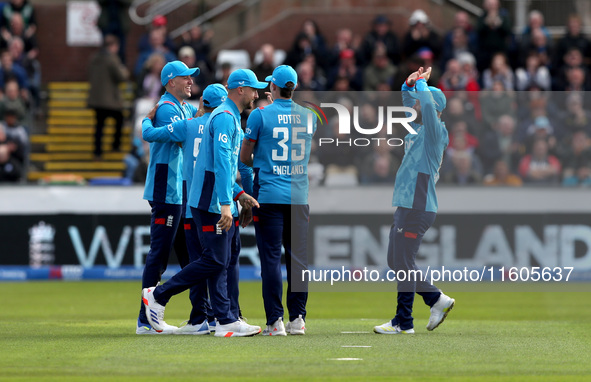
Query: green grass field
[[85, 331]]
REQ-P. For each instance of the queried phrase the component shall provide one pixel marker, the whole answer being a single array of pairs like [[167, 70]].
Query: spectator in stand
[[577, 80], [346, 69], [459, 130], [533, 74], [16, 28], [577, 162], [266, 66], [307, 79], [535, 21], [500, 144], [380, 70], [31, 65], [542, 129], [13, 100], [420, 35], [11, 70], [199, 38], [428, 61], [159, 23], [497, 101], [380, 34], [456, 112], [225, 69], [493, 31], [310, 28], [380, 166], [540, 167], [12, 157], [501, 176], [461, 38], [149, 84], [187, 56], [572, 59], [573, 38], [454, 78], [156, 42], [106, 72], [25, 10], [539, 44], [458, 45], [344, 41], [462, 172], [460, 145], [114, 20], [499, 71], [576, 117], [301, 48]]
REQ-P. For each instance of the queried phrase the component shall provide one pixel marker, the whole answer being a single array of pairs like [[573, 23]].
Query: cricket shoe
[[199, 329], [212, 324], [277, 329], [144, 328], [155, 313], [440, 310], [236, 329], [297, 326], [388, 328]]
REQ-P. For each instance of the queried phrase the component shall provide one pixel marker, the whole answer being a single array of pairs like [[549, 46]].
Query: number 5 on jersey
[[298, 144]]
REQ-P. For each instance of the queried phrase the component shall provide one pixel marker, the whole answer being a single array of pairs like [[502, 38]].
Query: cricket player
[[189, 134], [212, 192], [163, 188], [280, 135], [416, 202]]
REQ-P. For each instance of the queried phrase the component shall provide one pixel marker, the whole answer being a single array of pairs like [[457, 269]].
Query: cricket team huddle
[[196, 155]]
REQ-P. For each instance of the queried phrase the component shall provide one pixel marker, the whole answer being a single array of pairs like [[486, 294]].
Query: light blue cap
[[214, 95], [245, 77], [176, 69], [282, 75], [438, 97]]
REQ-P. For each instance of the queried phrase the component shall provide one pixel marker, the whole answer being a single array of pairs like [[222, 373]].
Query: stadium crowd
[[20, 82], [517, 110]]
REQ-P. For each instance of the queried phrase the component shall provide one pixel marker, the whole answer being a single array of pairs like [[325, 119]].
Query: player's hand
[[152, 112], [427, 74], [269, 97], [225, 222], [245, 217], [247, 201], [412, 79], [201, 110]]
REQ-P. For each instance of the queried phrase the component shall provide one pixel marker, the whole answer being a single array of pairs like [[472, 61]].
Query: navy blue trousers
[[287, 225], [211, 266], [405, 238], [234, 271], [201, 308], [164, 224]]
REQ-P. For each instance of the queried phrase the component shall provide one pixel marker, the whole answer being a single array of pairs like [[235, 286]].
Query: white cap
[[418, 16]]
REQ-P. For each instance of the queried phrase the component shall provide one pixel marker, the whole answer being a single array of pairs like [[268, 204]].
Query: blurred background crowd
[[518, 109]]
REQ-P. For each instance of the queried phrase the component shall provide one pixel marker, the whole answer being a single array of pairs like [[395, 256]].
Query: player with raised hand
[[212, 192], [164, 179], [280, 138], [416, 202]]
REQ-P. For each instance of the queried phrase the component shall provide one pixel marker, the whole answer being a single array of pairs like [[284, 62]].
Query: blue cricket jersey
[[423, 153], [282, 151], [214, 176], [164, 178], [189, 132]]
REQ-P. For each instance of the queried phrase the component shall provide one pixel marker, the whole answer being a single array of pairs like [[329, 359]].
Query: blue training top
[[214, 177], [164, 178], [423, 153], [282, 151]]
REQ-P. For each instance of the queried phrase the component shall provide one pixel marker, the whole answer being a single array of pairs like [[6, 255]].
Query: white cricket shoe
[[155, 313], [440, 310], [199, 329], [277, 329], [297, 326], [212, 325], [236, 329], [388, 328], [142, 328]]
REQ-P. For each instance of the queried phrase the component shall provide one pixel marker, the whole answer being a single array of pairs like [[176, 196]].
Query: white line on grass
[[344, 359], [355, 346]]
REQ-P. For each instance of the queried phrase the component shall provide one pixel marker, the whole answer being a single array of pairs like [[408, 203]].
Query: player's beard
[[249, 104]]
